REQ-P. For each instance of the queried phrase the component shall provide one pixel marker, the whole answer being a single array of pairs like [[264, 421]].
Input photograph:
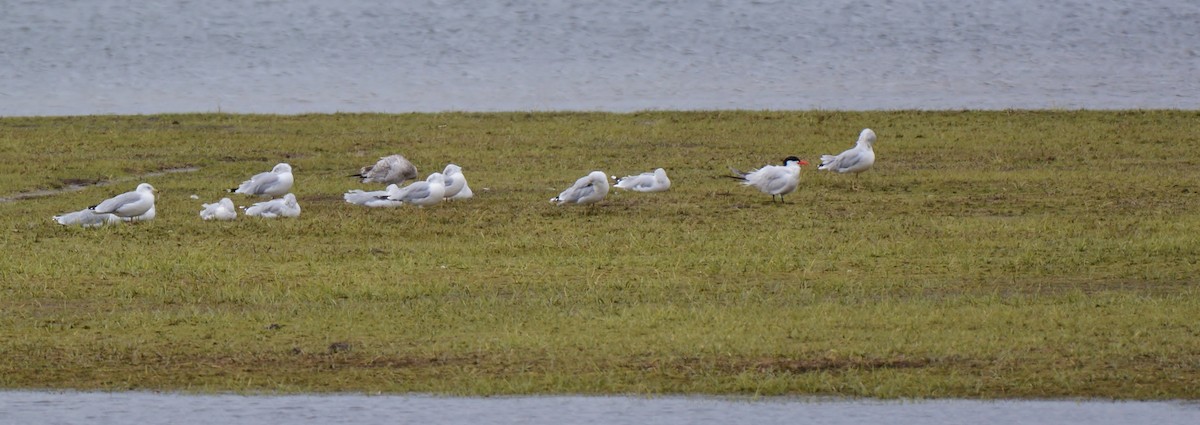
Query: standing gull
[[274, 183], [282, 207], [854, 160], [656, 181], [588, 189], [393, 169], [774, 179], [129, 205]]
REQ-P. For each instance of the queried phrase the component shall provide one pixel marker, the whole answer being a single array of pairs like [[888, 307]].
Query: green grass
[[988, 254]]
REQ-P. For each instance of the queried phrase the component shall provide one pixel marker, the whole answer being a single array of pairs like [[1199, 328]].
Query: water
[[156, 408], [68, 57]]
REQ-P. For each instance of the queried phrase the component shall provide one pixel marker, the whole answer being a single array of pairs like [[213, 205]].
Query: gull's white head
[[282, 167], [867, 135], [145, 187], [451, 169]]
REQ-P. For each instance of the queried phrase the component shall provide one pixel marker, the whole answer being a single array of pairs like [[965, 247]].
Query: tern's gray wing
[[773, 182]]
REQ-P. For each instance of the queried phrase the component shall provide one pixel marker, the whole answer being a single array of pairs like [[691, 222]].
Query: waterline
[[153, 408]]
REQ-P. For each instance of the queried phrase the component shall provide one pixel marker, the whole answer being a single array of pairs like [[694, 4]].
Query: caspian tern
[[774, 179]]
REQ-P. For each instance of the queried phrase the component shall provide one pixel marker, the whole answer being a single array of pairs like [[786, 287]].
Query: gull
[[276, 182], [220, 210], [389, 169], [129, 205], [86, 218], [428, 192], [456, 183], [774, 179], [147, 216], [854, 160], [282, 207], [375, 198], [588, 189], [656, 181]]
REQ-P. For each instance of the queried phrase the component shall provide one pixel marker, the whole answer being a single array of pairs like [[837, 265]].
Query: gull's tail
[[826, 161], [358, 197], [737, 174]]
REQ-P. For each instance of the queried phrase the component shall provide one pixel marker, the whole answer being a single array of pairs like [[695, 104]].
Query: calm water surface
[[154, 408], [66, 57]]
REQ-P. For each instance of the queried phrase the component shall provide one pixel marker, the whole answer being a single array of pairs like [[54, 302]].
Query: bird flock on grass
[[448, 185]]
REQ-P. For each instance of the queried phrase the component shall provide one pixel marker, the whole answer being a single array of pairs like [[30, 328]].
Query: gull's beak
[[803, 162]]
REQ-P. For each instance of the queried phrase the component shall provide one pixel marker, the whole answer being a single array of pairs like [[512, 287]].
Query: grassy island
[[989, 254]]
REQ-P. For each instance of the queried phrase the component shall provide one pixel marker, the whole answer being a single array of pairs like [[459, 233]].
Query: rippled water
[[155, 408], [64, 57]]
